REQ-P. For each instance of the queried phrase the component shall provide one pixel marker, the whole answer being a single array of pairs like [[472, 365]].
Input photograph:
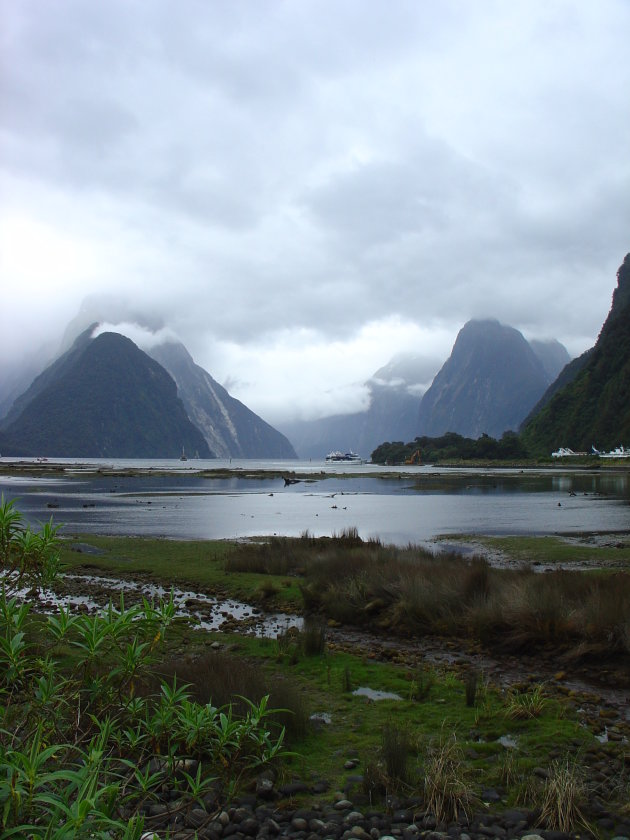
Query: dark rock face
[[230, 428], [103, 398], [593, 406], [488, 385]]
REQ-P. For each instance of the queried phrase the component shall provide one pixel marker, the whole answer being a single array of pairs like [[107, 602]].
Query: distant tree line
[[451, 447]]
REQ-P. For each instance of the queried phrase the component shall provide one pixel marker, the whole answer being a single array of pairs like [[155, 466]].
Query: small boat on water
[[347, 457], [183, 457]]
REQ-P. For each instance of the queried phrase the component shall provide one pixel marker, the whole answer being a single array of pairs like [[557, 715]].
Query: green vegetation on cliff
[[595, 407]]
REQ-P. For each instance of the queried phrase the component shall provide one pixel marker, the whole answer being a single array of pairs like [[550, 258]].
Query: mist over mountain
[[592, 406], [394, 398], [489, 383], [102, 398], [230, 428], [552, 355]]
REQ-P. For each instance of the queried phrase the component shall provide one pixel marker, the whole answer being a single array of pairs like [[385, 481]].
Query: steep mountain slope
[[594, 407], [103, 398], [553, 356], [394, 398], [230, 428], [566, 375], [487, 386], [48, 376]]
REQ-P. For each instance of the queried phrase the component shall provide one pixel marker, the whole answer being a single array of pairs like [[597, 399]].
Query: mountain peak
[[103, 398], [487, 386]]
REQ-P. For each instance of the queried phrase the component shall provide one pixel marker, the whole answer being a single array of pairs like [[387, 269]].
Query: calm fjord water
[[398, 505]]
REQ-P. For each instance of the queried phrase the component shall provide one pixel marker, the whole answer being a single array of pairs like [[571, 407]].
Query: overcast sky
[[300, 189]]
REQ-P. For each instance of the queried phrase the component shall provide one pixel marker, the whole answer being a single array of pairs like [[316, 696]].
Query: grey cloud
[[245, 169]]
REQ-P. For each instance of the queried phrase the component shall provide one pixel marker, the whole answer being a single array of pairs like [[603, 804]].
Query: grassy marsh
[[494, 739], [393, 590], [487, 735]]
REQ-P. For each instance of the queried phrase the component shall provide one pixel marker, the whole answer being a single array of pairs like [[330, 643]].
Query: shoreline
[[303, 470]]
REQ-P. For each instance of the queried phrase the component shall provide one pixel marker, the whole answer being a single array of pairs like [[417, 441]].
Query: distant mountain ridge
[[392, 412], [102, 398], [230, 428], [490, 382], [593, 404], [211, 423]]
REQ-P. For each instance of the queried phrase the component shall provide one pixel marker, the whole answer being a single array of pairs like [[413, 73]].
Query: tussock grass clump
[[268, 590], [448, 792], [276, 556], [563, 794], [395, 751], [410, 590], [422, 683], [313, 637], [349, 538], [471, 682], [521, 705], [509, 772], [310, 641], [375, 782], [389, 773]]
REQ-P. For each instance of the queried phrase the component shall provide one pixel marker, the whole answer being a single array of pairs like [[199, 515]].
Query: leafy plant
[[80, 750], [28, 558]]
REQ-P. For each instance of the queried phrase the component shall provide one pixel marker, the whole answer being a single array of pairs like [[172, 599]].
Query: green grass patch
[[201, 564], [357, 724], [552, 550]]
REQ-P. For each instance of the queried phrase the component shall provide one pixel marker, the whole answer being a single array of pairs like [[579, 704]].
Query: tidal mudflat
[[395, 505]]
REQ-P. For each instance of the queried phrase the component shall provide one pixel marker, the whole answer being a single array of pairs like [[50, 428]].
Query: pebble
[[250, 817], [343, 805]]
